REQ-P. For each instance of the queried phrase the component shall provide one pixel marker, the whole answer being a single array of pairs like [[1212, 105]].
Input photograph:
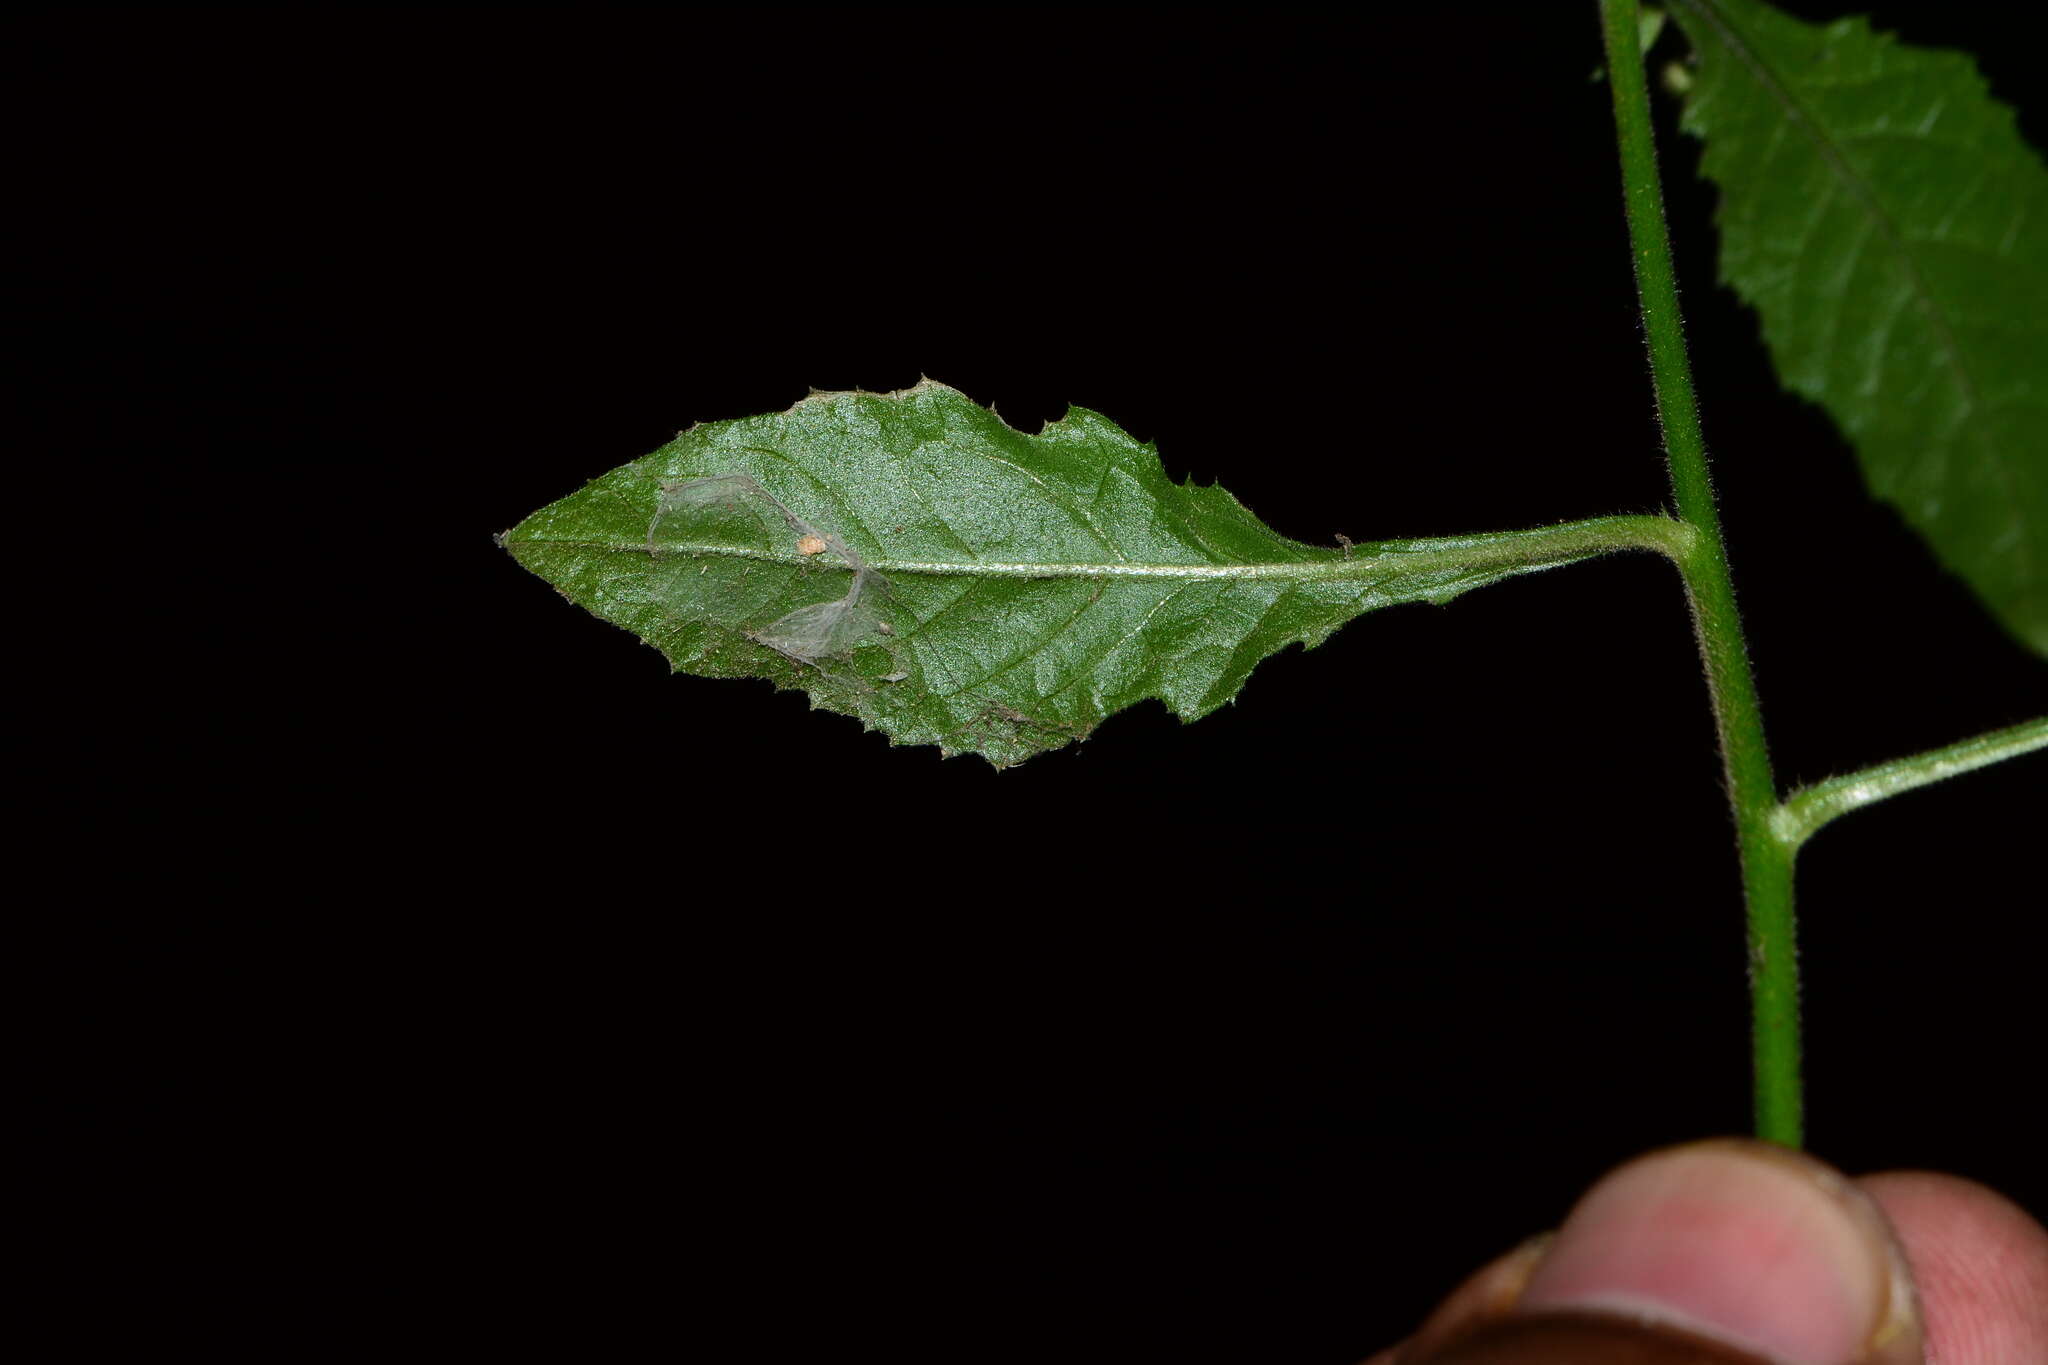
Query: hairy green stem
[[1752, 792], [1807, 809]]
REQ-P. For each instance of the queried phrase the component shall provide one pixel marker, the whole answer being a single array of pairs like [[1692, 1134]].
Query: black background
[[494, 983]]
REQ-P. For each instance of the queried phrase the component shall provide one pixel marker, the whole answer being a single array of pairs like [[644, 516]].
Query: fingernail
[[1744, 1242]]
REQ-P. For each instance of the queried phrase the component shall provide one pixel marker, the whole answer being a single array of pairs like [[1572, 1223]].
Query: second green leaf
[[1882, 214]]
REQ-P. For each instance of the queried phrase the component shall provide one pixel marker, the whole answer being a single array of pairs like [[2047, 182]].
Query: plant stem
[[1752, 792], [1807, 809]]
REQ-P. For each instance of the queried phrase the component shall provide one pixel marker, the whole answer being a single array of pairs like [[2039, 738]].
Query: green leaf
[[1881, 213], [911, 560]]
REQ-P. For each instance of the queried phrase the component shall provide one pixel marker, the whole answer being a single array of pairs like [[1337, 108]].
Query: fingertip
[[1980, 1260], [1751, 1244]]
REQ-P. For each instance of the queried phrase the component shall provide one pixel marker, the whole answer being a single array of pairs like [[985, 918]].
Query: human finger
[[1981, 1263], [1721, 1251]]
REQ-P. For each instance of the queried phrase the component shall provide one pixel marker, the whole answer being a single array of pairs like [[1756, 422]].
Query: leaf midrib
[[1336, 569], [1507, 551]]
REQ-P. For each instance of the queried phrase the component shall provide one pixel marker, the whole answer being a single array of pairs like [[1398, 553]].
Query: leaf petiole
[[1808, 809]]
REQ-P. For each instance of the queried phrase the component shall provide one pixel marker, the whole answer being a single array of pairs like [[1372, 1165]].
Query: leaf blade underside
[[985, 591], [1881, 213]]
